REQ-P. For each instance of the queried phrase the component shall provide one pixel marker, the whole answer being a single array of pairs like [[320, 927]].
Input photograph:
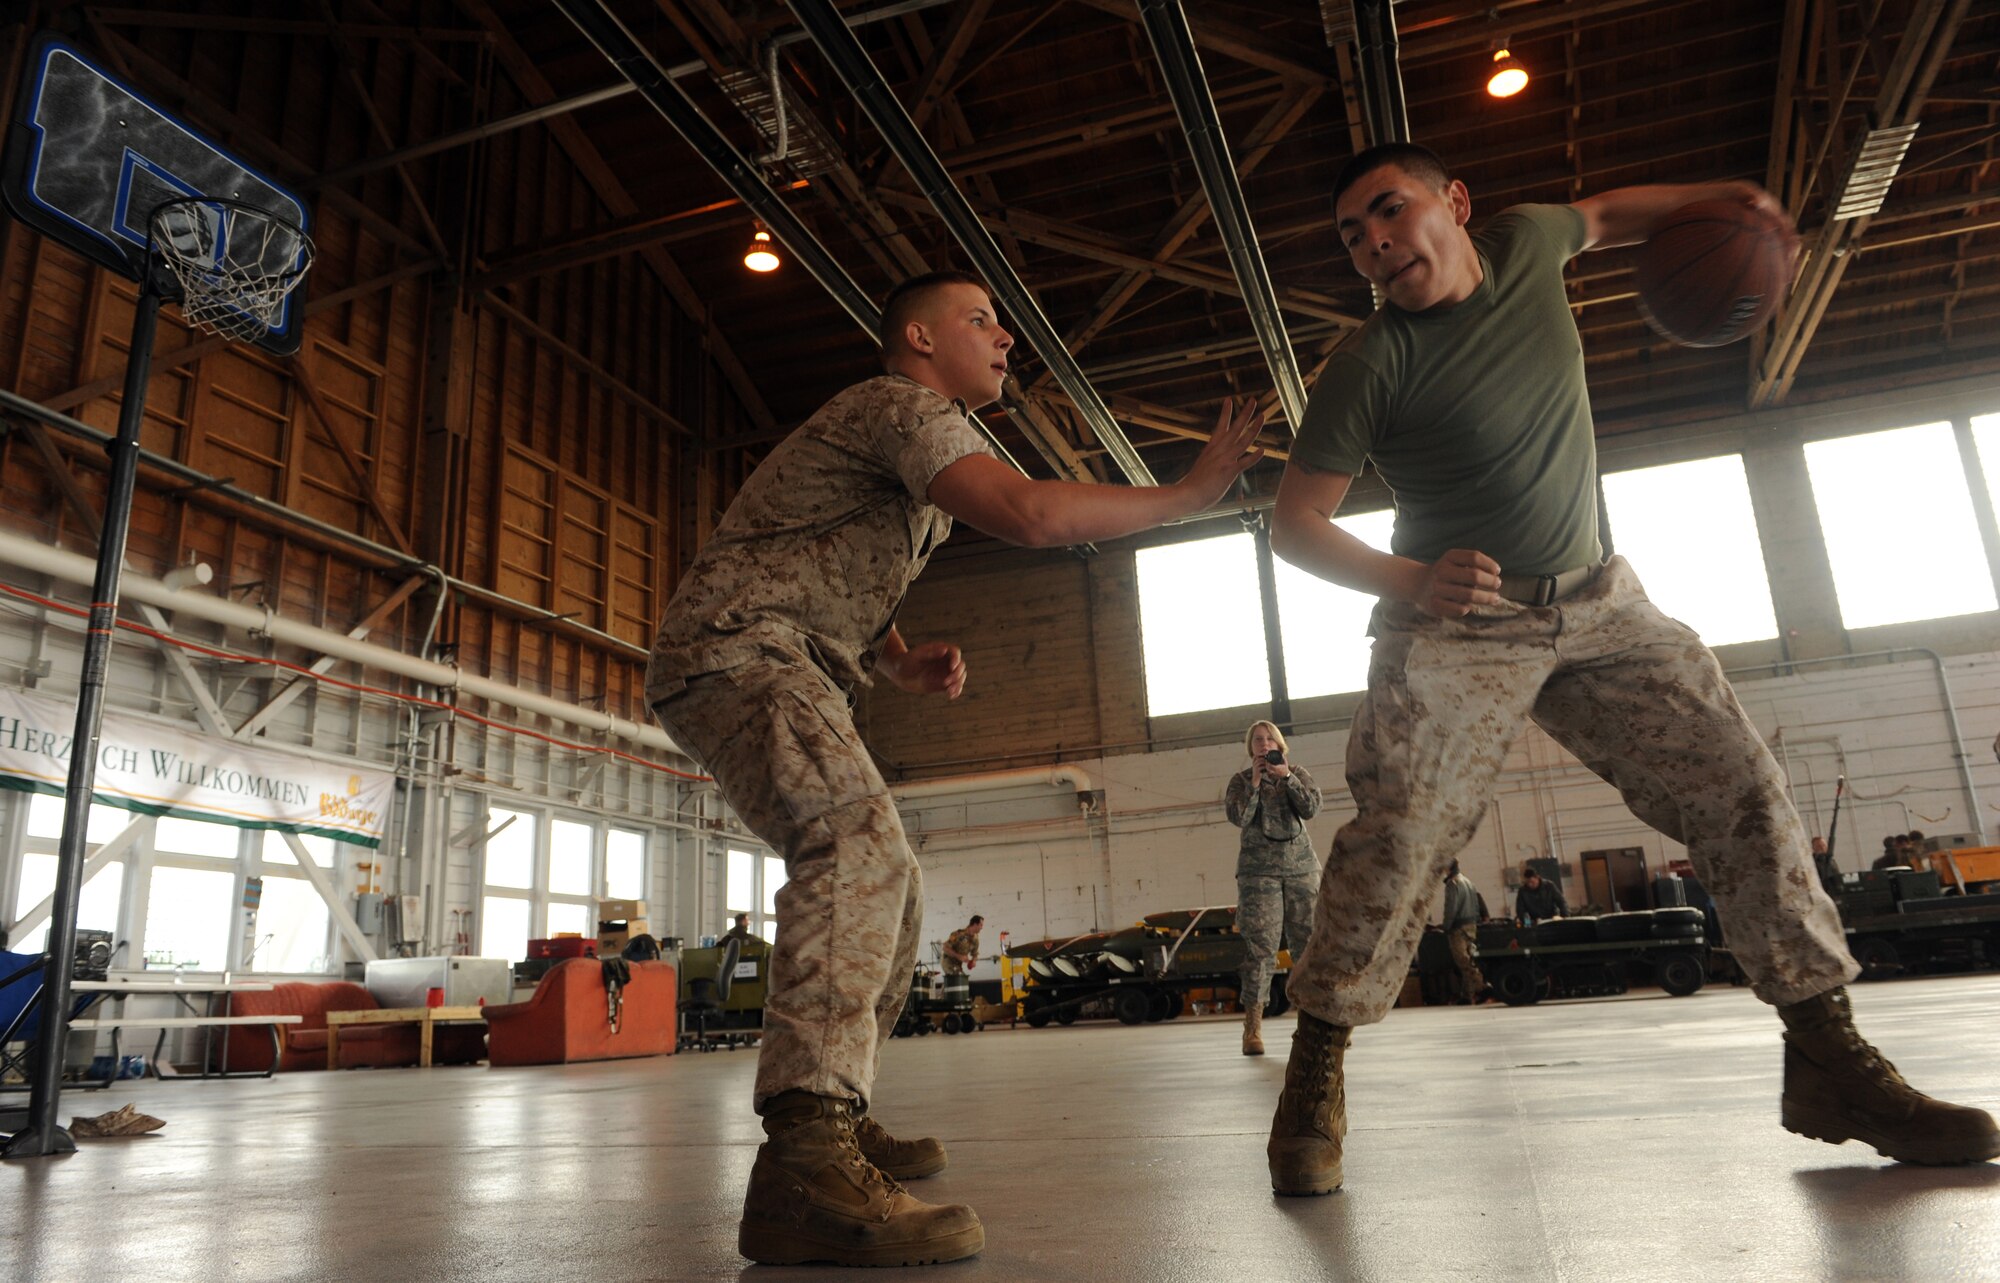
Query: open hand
[[1456, 582], [1231, 450], [927, 669]]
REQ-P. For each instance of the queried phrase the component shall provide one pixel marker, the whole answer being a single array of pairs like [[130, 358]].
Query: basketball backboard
[[88, 160]]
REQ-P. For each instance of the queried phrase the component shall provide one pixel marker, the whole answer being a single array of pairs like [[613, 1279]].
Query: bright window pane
[[774, 878], [1325, 626], [503, 927], [570, 845], [571, 918], [45, 819], [195, 837], [1201, 625], [278, 851], [510, 853], [769, 931], [741, 888], [1899, 528], [625, 865], [96, 908], [1986, 438], [188, 913], [292, 928], [1708, 571]]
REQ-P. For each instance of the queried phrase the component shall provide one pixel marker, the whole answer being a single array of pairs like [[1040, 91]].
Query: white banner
[[157, 769]]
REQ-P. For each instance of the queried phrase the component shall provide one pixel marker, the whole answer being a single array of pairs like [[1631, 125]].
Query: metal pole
[[43, 1134], [1274, 642], [1173, 44], [900, 134]]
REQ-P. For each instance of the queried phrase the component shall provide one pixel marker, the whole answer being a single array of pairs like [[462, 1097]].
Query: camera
[[1275, 757]]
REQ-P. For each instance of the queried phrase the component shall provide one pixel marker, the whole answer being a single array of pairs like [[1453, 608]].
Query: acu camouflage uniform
[[961, 941], [1277, 872], [781, 616]]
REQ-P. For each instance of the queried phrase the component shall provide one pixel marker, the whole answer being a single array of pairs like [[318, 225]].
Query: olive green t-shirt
[[1475, 413]]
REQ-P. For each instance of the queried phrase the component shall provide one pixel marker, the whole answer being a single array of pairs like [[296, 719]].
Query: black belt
[[1546, 590]]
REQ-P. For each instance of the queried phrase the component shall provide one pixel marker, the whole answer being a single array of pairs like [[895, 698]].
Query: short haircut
[[1454, 870], [1276, 734], [976, 921], [908, 298], [1420, 163]]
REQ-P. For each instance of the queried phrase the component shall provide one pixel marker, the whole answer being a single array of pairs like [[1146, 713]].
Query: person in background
[[1461, 931], [961, 948], [1538, 900], [1277, 871], [1892, 853], [741, 931], [1823, 860]]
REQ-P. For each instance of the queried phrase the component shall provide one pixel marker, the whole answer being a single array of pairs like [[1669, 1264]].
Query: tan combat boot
[[1312, 1112], [903, 1160], [1253, 1031], [1838, 1088], [815, 1197]]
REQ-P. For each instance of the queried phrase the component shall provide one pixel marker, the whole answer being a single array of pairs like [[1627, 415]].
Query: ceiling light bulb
[[761, 257], [1508, 78]]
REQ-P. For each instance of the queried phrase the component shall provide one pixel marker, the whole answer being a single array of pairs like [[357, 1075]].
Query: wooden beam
[[1252, 48], [584, 365], [965, 22], [257, 721], [309, 393], [597, 172]]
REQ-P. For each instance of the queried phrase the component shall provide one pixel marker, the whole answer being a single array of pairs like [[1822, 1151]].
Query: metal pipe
[[1173, 44], [655, 83], [1073, 777], [1944, 688], [197, 480], [851, 63], [1381, 74], [33, 555]]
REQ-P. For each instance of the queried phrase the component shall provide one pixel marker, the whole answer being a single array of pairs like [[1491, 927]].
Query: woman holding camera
[[1277, 873]]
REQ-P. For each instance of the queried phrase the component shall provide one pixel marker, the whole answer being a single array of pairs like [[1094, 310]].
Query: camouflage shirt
[[960, 941], [813, 558], [1273, 819]]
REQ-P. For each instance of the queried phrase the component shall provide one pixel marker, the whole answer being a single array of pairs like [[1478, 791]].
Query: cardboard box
[[620, 910]]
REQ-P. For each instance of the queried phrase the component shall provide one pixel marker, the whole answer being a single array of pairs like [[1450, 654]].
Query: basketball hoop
[[235, 263]]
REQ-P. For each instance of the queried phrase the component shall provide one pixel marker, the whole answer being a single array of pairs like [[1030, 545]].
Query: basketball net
[[236, 264]]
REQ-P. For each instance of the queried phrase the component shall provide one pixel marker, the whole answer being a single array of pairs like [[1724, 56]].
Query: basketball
[[1713, 272]]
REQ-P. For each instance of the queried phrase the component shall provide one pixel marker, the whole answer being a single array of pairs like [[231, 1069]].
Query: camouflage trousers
[[1640, 701], [1464, 942], [1265, 906], [781, 744]]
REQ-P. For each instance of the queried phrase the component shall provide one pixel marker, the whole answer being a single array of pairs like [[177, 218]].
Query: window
[[96, 907], [1897, 516], [510, 848], [503, 927], [1986, 439], [741, 889], [197, 837], [624, 865], [1690, 532], [774, 878], [570, 849], [279, 851], [1201, 625], [292, 929], [1324, 627], [576, 919], [45, 820], [188, 914]]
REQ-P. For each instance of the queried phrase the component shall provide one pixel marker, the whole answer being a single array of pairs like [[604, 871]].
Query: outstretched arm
[[1628, 215], [990, 496]]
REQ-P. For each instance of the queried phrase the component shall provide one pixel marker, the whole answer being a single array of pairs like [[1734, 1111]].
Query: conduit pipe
[[900, 134], [655, 84], [1057, 776], [30, 554], [1173, 44]]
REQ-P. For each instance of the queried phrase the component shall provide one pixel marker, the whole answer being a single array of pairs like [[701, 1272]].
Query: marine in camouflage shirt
[[963, 942]]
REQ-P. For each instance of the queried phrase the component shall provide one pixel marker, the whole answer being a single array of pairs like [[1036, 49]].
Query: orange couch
[[566, 1019], [303, 1045]]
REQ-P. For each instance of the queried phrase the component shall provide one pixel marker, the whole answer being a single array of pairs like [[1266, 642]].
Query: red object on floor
[[303, 1046], [567, 1019]]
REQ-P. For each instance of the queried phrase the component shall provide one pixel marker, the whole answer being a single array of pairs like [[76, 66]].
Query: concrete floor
[[1611, 1139]]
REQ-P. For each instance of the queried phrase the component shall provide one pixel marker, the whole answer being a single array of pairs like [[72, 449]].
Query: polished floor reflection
[[1612, 1139]]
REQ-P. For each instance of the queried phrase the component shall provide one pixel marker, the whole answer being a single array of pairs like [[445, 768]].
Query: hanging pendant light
[[1508, 76], [762, 256]]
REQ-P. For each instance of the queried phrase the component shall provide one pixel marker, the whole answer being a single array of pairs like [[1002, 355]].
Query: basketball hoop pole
[[44, 1134]]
